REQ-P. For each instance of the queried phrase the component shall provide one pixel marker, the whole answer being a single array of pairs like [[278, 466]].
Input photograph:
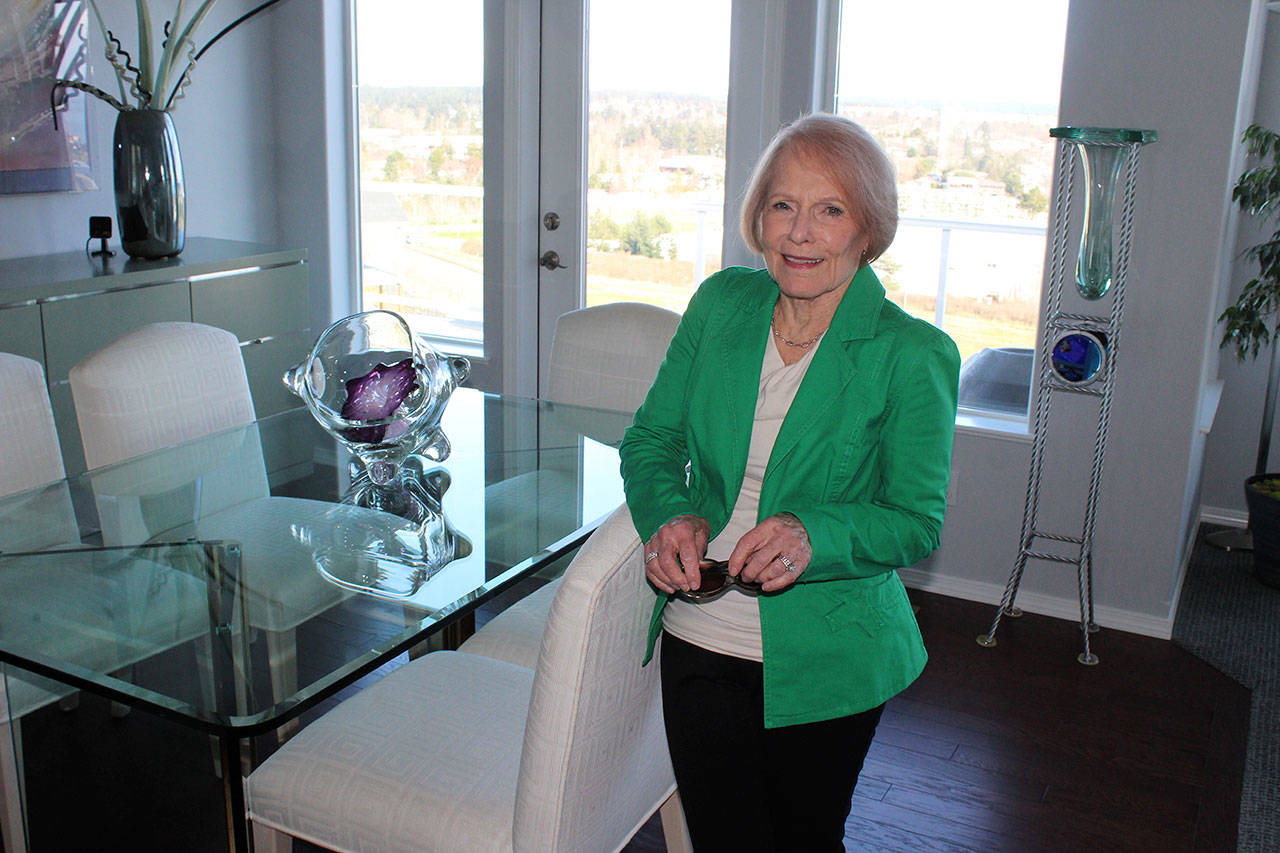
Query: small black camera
[[100, 228]]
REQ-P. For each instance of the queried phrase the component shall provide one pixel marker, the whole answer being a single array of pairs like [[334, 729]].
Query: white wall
[[263, 136], [226, 132], [1232, 448], [1140, 64], [311, 198]]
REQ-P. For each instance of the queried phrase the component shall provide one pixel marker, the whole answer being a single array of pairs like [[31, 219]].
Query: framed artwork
[[43, 40]]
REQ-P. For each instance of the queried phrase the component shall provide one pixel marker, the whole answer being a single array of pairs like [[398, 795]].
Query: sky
[[633, 44], [948, 51], [923, 50]]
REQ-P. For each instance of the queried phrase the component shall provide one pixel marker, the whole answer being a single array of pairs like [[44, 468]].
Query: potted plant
[[1250, 323], [146, 163]]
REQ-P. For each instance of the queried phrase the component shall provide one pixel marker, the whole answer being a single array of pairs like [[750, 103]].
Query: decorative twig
[[180, 91], [148, 81], [136, 87], [83, 87]]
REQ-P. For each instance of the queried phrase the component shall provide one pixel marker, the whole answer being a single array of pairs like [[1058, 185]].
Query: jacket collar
[[833, 368], [859, 311]]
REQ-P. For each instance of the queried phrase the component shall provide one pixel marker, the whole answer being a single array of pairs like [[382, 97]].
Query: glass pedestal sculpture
[[1078, 350], [381, 392], [378, 390], [396, 541]]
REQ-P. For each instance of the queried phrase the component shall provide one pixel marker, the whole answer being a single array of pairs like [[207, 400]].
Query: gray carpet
[[1229, 619]]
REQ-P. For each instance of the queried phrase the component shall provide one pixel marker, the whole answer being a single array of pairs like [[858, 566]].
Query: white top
[[730, 624]]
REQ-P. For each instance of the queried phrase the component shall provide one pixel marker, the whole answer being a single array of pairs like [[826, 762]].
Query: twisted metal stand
[[1056, 321]]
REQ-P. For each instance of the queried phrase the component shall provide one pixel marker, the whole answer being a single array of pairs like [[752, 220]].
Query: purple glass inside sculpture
[[375, 396]]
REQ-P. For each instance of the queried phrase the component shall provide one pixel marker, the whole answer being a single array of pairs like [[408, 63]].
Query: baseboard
[[1032, 602], [1223, 515]]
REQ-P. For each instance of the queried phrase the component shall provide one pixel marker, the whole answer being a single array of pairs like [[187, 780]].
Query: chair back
[[157, 386], [28, 437], [606, 356], [595, 760], [32, 458]]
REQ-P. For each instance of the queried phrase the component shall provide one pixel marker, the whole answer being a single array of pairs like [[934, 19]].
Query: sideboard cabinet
[[57, 309]]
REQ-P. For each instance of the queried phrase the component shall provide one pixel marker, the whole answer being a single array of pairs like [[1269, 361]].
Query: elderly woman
[[800, 431]]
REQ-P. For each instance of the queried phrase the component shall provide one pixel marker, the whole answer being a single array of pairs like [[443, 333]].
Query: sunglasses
[[716, 581]]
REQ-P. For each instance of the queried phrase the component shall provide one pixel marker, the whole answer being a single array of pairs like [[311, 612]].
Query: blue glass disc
[[1078, 357]]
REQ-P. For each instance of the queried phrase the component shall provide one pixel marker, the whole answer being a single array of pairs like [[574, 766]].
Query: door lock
[[551, 260]]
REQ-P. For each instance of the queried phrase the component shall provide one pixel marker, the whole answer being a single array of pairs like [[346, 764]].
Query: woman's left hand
[[775, 552]]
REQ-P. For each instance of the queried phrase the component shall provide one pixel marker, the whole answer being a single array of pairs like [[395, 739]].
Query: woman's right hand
[[674, 553]]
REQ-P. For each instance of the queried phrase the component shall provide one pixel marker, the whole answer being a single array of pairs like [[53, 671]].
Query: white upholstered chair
[[604, 357], [29, 447], [167, 383], [455, 751]]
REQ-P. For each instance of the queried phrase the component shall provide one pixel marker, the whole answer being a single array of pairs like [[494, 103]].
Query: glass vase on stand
[[151, 199], [1102, 151]]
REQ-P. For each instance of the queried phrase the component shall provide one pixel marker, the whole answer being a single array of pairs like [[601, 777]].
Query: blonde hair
[[854, 160]]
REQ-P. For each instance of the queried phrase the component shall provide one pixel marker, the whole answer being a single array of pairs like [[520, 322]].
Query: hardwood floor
[[1021, 748], [1015, 748]]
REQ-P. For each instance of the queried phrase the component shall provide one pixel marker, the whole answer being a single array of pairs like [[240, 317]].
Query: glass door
[[633, 152], [656, 149], [492, 199]]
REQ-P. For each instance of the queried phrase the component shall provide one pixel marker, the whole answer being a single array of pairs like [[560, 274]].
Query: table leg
[[233, 794], [449, 638]]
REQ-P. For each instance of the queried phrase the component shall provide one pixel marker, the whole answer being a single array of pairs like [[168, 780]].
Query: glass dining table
[[227, 552]]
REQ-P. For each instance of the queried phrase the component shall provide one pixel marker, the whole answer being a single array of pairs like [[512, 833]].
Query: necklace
[[790, 343]]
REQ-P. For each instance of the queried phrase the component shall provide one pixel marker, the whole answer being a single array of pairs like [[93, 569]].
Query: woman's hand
[[673, 554], [774, 552]]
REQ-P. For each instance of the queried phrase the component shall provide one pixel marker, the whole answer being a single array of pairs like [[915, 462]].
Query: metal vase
[[151, 201]]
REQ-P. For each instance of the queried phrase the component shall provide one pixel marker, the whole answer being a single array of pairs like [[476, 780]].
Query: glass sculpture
[[378, 390], [382, 392]]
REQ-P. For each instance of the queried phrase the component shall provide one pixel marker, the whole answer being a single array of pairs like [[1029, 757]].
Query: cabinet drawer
[[73, 328], [265, 363], [254, 304]]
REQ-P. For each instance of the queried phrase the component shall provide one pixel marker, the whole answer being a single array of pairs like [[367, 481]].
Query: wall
[[1232, 448], [1129, 63], [226, 132], [263, 136]]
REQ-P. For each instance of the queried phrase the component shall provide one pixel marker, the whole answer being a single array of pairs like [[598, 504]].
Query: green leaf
[[145, 80], [102, 30], [188, 33], [170, 50]]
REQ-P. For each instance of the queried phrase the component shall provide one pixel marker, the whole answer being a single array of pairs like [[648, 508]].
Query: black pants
[[745, 787]]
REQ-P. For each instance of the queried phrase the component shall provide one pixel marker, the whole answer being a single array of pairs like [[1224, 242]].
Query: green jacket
[[862, 459]]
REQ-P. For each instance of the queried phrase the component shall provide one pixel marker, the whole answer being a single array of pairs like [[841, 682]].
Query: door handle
[[551, 260]]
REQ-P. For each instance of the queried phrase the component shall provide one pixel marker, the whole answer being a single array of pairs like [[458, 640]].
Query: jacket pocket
[[851, 616], [864, 610]]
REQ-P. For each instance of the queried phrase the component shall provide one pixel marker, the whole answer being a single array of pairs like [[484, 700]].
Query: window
[[655, 149], [963, 96], [419, 120]]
